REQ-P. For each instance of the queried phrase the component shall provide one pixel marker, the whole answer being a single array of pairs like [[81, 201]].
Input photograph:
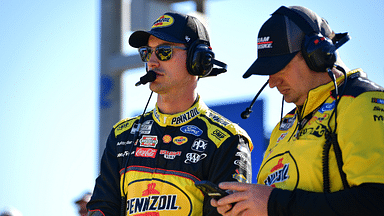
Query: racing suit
[[154, 174], [294, 160]]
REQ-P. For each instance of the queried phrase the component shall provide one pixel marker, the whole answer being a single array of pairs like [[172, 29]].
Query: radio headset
[[200, 60], [200, 57]]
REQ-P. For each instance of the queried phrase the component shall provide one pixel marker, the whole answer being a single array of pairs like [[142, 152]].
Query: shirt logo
[[327, 107], [239, 177], [279, 173], [170, 154], [180, 140], [218, 134], [191, 129], [287, 123], [378, 100], [145, 128], [185, 116], [199, 145], [167, 138], [151, 202], [148, 141], [194, 157], [217, 118], [145, 152], [282, 136]]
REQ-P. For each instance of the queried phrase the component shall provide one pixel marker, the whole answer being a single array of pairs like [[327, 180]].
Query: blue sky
[[49, 85]]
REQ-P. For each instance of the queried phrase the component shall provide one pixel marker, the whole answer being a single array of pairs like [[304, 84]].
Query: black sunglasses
[[163, 52]]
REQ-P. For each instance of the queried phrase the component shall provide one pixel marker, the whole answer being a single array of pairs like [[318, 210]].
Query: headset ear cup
[[199, 59], [319, 52]]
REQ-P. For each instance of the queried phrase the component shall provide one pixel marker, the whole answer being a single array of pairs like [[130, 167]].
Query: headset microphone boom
[[150, 76]]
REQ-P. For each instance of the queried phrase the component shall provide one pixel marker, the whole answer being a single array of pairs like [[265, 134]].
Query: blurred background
[[50, 73]]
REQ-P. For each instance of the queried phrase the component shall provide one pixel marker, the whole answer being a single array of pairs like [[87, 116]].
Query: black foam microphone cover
[[150, 76]]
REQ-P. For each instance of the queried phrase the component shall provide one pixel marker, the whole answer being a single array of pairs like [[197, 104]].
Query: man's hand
[[249, 199]]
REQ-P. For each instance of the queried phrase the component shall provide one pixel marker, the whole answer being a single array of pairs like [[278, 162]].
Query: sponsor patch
[[281, 137], [199, 145], [145, 152], [287, 123], [191, 129], [279, 173], [378, 100], [239, 177], [145, 128], [170, 154], [124, 142], [327, 107], [194, 157], [148, 141], [121, 128], [317, 119], [217, 118], [167, 138], [123, 154], [218, 134], [163, 21], [180, 140]]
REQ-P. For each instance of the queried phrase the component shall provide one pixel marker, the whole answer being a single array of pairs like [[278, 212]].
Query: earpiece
[[199, 59], [319, 52]]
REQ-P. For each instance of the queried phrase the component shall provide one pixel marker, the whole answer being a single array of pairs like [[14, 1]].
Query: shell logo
[[167, 138], [180, 140], [158, 198], [163, 21]]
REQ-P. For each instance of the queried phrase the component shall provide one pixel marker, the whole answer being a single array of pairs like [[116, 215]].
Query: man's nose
[[273, 80]]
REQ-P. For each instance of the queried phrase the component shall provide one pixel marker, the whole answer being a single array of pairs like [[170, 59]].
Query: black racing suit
[[154, 174]]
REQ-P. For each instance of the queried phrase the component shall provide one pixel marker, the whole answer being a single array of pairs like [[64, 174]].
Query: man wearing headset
[[151, 162], [325, 157]]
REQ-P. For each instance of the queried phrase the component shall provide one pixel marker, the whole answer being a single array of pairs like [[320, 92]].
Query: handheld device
[[211, 189]]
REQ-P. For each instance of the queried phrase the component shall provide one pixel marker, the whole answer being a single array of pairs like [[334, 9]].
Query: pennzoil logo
[[185, 116], [163, 21], [180, 140], [151, 202], [279, 173]]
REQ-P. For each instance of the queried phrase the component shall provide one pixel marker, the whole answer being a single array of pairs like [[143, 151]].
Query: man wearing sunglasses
[[151, 162]]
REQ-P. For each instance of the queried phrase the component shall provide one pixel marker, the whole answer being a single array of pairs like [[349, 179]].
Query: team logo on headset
[[163, 21]]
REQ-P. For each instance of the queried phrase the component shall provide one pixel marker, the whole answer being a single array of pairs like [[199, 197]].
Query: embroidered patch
[[378, 100]]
